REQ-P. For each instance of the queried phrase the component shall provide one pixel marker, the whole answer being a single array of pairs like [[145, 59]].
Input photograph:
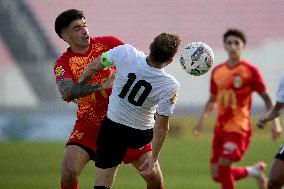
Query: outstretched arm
[[161, 130], [207, 110], [70, 90], [266, 99], [273, 113]]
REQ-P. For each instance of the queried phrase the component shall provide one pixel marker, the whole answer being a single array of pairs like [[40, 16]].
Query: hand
[[108, 83], [69, 100], [147, 166], [197, 129], [261, 123]]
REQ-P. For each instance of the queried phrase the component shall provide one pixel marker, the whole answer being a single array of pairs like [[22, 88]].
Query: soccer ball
[[197, 58]]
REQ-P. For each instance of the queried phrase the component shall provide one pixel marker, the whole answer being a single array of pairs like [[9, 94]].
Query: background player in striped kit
[[231, 88]]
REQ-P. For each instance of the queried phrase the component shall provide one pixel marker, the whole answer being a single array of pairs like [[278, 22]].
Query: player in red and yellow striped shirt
[[232, 85]]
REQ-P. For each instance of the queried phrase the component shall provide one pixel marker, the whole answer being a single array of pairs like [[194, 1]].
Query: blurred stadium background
[[29, 47], [30, 106]]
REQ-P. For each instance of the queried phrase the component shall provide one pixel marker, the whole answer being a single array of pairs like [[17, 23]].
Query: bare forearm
[[272, 115], [275, 111], [268, 104], [160, 134], [207, 111], [70, 91], [267, 100], [81, 90]]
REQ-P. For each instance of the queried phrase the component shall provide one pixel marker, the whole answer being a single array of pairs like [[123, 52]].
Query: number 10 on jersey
[[131, 97]]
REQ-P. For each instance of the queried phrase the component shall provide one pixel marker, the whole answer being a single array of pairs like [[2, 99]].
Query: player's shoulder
[[171, 86], [173, 82], [125, 49], [130, 50], [128, 47], [63, 59], [249, 65], [219, 67], [106, 39]]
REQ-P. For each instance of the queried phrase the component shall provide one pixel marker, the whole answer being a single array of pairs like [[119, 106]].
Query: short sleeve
[[62, 70], [167, 104], [257, 81], [118, 54], [280, 91], [213, 86]]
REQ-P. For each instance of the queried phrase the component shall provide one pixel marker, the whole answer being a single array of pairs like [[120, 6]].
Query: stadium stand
[[138, 21]]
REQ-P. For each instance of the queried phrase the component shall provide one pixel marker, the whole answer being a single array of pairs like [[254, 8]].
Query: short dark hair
[[164, 47], [65, 18], [235, 32]]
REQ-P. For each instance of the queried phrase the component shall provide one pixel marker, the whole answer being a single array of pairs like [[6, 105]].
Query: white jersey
[[280, 92], [139, 90]]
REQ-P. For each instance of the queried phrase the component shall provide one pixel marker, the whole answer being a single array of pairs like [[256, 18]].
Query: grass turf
[[184, 161]]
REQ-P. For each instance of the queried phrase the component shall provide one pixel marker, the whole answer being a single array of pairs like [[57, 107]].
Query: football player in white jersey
[[141, 89], [276, 177]]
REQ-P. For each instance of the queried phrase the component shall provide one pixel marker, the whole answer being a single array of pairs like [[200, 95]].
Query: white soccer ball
[[197, 58]]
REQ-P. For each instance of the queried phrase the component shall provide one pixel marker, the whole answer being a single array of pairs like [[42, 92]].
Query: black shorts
[[113, 141], [280, 153]]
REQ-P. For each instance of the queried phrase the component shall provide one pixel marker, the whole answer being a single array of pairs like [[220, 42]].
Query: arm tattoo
[[81, 90], [69, 89]]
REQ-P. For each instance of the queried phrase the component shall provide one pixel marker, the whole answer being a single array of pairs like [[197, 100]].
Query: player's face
[[77, 34], [234, 46]]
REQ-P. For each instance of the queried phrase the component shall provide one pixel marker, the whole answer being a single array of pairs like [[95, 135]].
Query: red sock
[[162, 187], [75, 186], [239, 172], [226, 177]]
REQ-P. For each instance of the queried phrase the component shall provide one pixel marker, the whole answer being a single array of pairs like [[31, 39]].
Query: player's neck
[[80, 50], [232, 62], [154, 64]]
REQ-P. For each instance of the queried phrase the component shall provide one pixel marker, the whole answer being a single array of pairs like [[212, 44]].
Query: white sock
[[252, 171]]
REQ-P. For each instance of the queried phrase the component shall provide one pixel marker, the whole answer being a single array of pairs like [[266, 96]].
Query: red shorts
[[85, 135], [230, 145]]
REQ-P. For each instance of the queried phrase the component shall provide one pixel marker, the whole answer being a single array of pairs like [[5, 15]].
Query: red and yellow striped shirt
[[233, 88], [71, 65]]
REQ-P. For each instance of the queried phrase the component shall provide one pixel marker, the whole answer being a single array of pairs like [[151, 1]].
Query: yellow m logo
[[228, 99]]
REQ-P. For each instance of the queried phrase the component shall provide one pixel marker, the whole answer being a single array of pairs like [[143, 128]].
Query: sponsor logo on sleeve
[[174, 98], [59, 71]]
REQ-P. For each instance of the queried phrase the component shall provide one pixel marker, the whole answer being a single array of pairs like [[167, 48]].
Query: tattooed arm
[[91, 69], [70, 90]]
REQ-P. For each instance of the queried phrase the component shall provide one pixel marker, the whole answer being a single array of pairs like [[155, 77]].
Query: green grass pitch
[[184, 161]]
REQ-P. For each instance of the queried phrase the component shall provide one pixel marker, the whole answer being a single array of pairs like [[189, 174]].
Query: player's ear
[[150, 47], [244, 45], [170, 60], [65, 36]]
